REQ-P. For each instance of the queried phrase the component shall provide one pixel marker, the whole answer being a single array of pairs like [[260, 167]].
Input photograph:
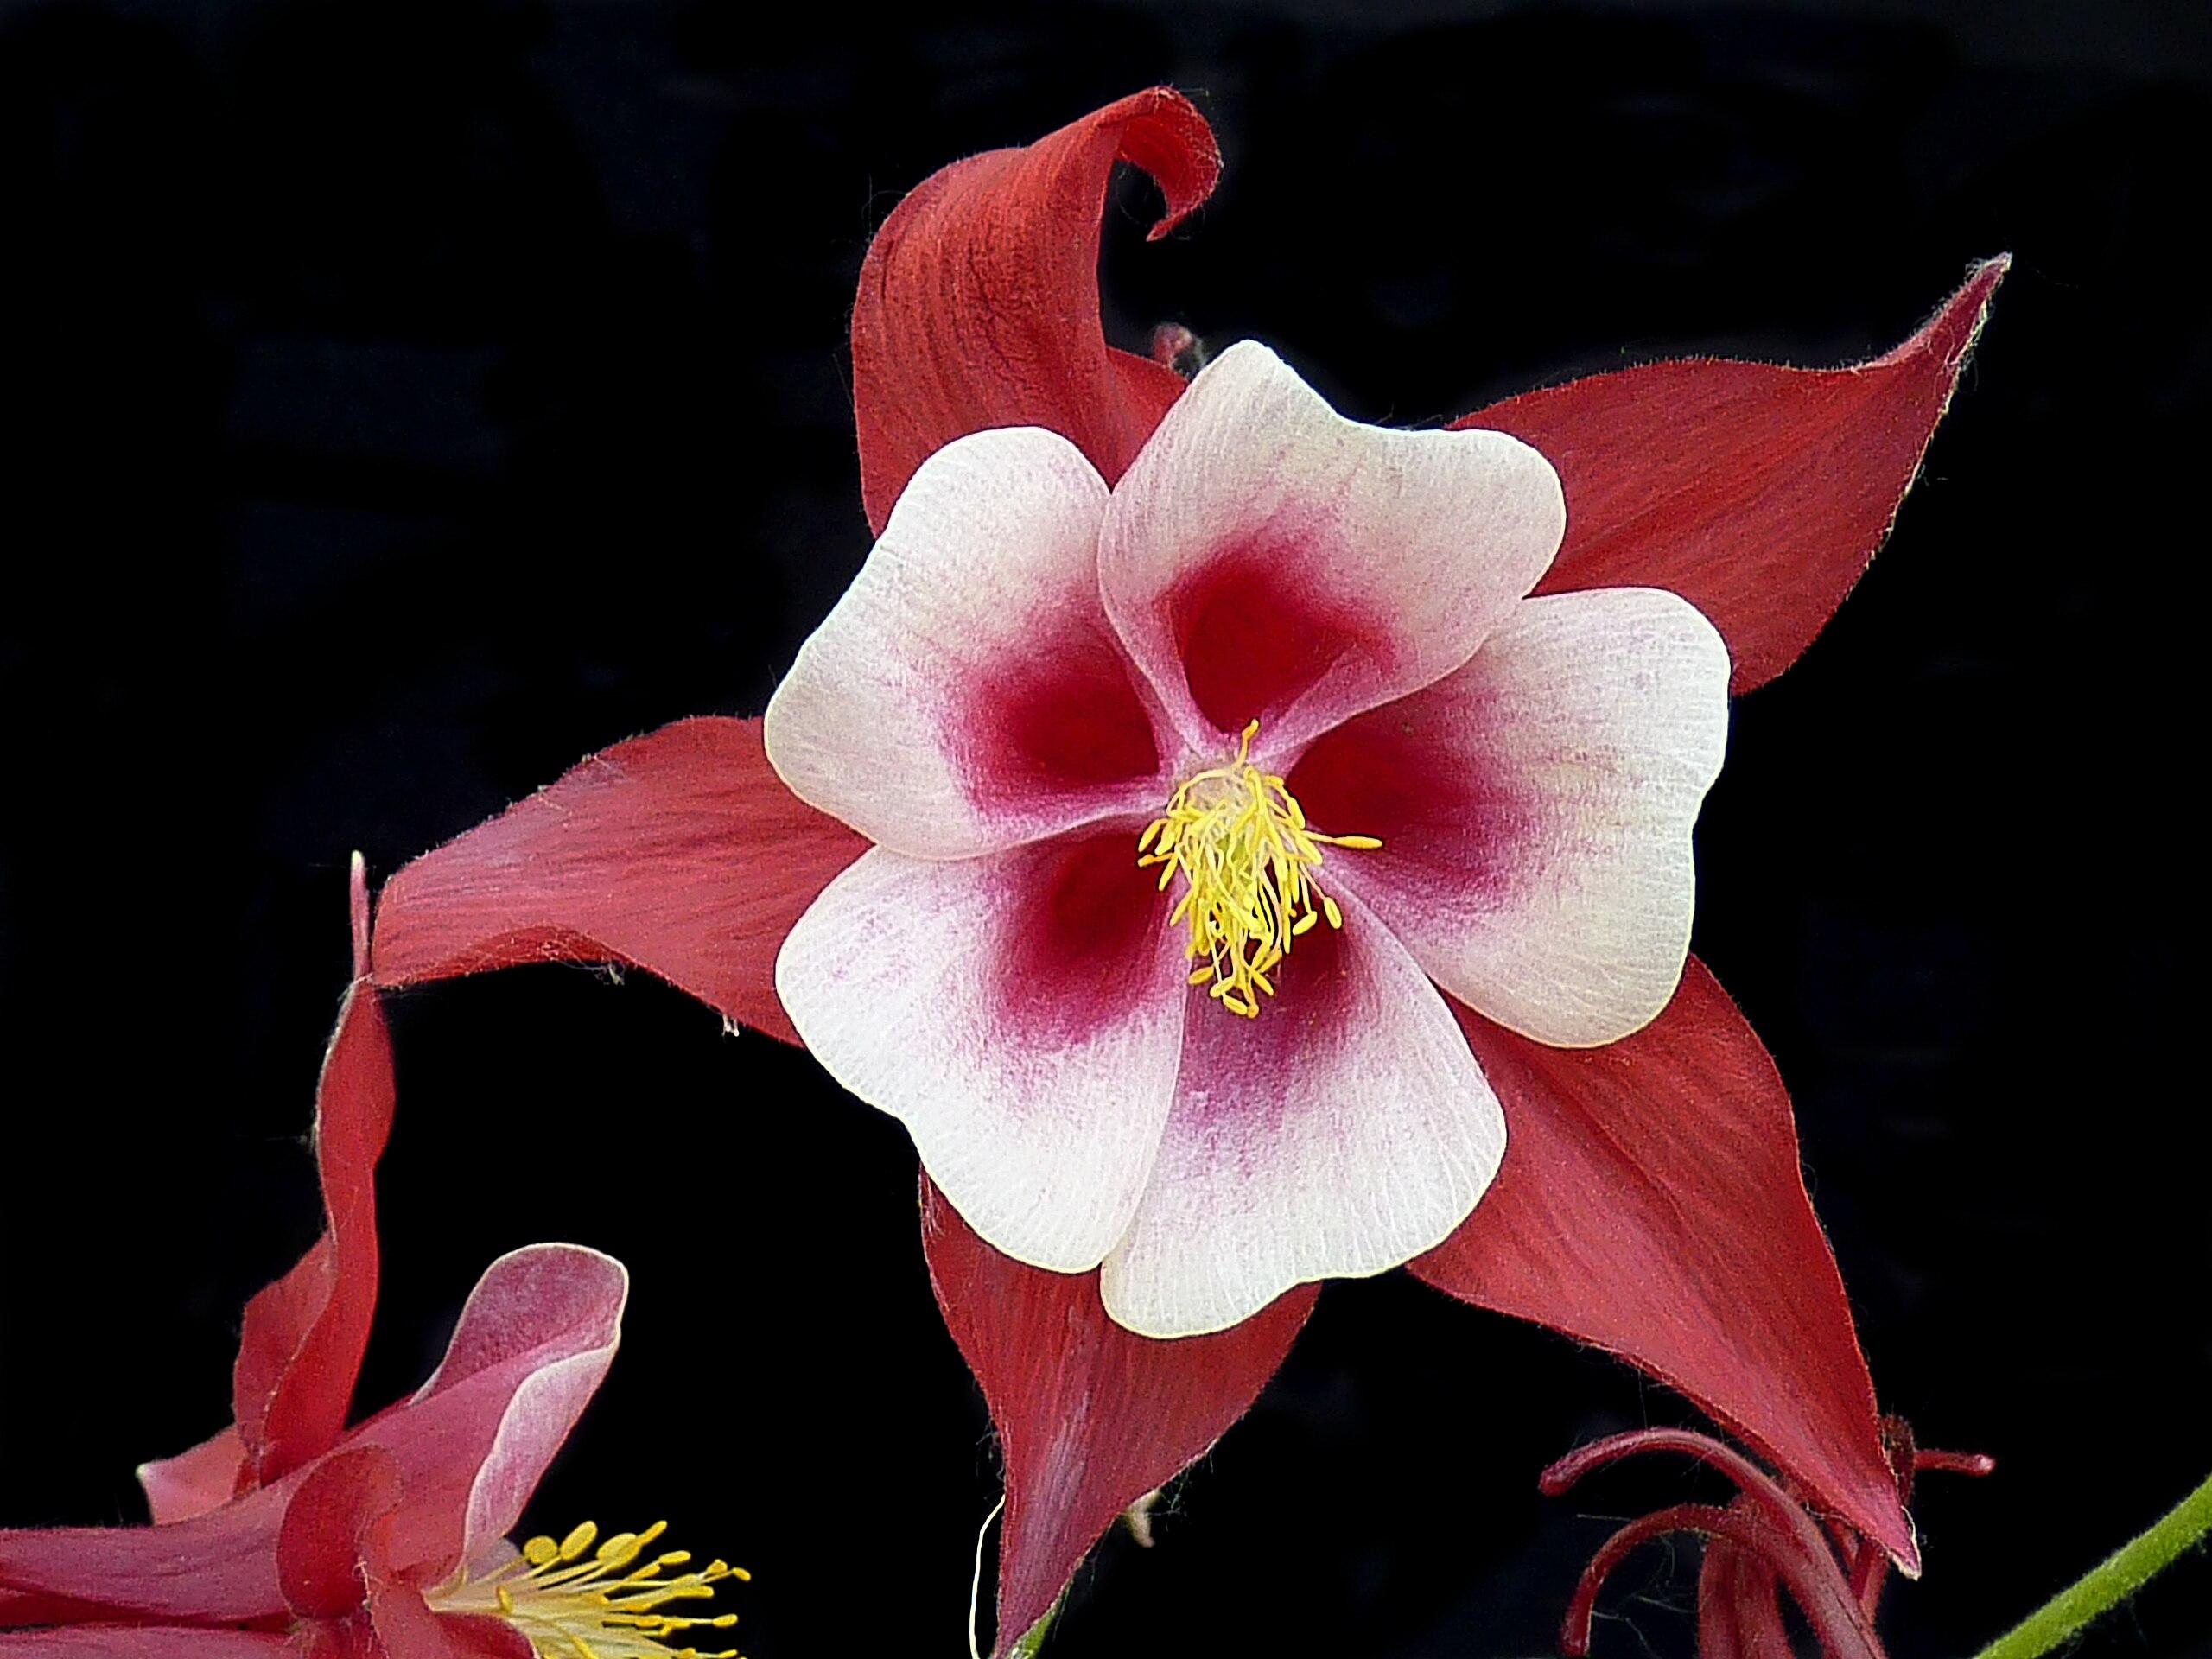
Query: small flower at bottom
[[290, 1536]]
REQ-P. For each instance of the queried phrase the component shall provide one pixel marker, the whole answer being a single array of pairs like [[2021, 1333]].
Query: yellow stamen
[[607, 1607], [1241, 843]]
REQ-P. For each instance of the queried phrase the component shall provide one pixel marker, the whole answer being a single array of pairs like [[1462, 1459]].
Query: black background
[[415, 396]]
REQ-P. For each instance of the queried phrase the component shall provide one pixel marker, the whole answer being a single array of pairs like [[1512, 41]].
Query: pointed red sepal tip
[[357, 902], [1091, 1417], [1691, 475], [1613, 1222]]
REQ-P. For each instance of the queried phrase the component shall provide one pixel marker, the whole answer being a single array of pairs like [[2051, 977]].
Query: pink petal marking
[[1535, 808], [1342, 1132], [1022, 1014], [966, 693], [1265, 558]]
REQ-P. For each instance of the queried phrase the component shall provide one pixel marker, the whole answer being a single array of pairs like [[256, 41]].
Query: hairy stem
[[2122, 1573]]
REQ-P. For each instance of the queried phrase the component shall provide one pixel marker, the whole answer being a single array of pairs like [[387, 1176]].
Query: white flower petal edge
[[1342, 1133], [1554, 886], [985, 576], [1034, 1072], [1263, 547]]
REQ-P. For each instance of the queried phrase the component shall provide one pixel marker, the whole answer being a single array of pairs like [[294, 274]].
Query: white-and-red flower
[[1650, 1201], [1183, 792]]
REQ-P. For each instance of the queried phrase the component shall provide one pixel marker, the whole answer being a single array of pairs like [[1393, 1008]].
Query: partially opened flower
[[288, 1533], [1051, 668], [1128, 957]]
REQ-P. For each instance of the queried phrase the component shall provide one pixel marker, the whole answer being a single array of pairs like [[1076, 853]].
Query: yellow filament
[[1240, 841], [604, 1607]]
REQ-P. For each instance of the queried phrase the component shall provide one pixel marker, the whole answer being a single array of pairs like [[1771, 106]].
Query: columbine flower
[[1124, 756], [1650, 1200], [1762, 1543], [288, 1533]]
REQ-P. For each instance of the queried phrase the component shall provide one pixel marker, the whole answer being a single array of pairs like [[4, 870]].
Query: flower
[[1650, 1200], [1762, 1541], [288, 1533], [1085, 730]]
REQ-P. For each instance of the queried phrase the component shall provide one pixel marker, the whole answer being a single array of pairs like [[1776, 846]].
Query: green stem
[[1033, 1638], [2125, 1572]]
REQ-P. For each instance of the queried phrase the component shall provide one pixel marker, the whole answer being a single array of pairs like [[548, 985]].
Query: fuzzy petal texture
[[1266, 558], [1090, 1416], [1759, 493], [1343, 1132], [192, 1483], [680, 852], [978, 303], [220, 1567], [967, 693], [145, 1642], [1536, 810], [1022, 1016], [1651, 1204], [533, 1344]]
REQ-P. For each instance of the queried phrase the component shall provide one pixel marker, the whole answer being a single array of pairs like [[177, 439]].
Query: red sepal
[[300, 1348], [145, 1642], [1759, 493], [1651, 1204], [680, 852], [978, 303], [1091, 1417]]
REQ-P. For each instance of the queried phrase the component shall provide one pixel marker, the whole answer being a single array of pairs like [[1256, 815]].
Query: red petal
[[1089, 1417], [330, 1551], [220, 1567], [192, 1483], [1651, 1204], [532, 1347], [145, 1642], [680, 852], [978, 303], [1758, 493], [303, 1337]]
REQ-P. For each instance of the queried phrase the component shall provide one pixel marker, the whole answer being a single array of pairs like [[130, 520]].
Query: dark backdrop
[[415, 396]]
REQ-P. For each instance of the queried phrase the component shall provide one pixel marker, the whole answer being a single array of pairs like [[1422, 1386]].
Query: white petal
[[1345, 1131], [1265, 558], [967, 693], [1536, 810], [1022, 1014]]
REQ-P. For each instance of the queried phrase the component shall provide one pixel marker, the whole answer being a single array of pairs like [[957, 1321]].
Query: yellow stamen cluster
[[1240, 841], [606, 1607]]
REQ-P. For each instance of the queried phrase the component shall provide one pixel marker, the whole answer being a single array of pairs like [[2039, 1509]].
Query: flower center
[[607, 1607], [1239, 840]]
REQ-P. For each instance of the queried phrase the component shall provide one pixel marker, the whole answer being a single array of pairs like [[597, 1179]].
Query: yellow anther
[[608, 1607], [1240, 841]]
